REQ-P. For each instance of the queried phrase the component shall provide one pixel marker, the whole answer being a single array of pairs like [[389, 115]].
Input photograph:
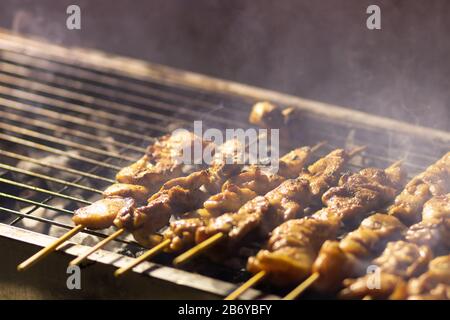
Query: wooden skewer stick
[[49, 249], [253, 281], [357, 150], [302, 287], [147, 255], [198, 249], [98, 246]]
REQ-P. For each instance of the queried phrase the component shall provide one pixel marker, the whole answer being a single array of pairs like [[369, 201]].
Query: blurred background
[[318, 49]]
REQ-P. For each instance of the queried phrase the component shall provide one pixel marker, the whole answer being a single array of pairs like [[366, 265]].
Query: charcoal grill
[[95, 113]]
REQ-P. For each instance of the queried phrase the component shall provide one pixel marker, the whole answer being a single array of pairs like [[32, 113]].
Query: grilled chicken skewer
[[434, 181], [160, 163], [236, 191], [402, 260], [261, 214], [293, 246]]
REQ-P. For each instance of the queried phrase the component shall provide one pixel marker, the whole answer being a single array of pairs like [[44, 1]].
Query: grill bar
[[26, 84], [64, 130], [52, 69], [72, 119], [63, 142], [49, 192], [56, 151], [54, 166], [43, 205], [47, 178]]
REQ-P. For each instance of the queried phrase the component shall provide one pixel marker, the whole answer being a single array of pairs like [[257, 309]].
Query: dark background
[[320, 50]]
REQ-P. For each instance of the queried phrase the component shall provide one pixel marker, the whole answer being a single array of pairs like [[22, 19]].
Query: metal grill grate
[[98, 119]]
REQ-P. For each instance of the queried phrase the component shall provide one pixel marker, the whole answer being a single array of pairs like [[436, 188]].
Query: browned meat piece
[[434, 284], [372, 235], [283, 203], [434, 181], [349, 199], [357, 192], [266, 115], [434, 233], [182, 233], [163, 161], [256, 180], [437, 208], [229, 200], [124, 190], [180, 195], [386, 286], [235, 225], [404, 259], [325, 172], [291, 250], [101, 213], [292, 163], [338, 260]]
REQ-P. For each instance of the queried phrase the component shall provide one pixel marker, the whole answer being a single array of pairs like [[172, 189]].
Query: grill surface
[[95, 113]]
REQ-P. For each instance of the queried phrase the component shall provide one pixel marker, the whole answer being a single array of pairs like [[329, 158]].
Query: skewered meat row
[[294, 245], [236, 191], [402, 260], [176, 195], [289, 200], [139, 180], [434, 181]]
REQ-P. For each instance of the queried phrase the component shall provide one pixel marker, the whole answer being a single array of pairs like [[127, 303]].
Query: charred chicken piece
[[434, 181], [356, 192]]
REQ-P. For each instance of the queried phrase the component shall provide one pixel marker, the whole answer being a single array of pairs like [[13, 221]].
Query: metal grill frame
[[171, 77]]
